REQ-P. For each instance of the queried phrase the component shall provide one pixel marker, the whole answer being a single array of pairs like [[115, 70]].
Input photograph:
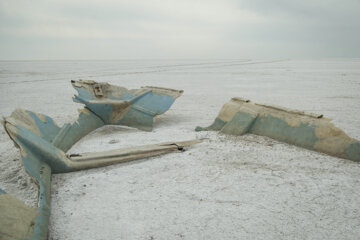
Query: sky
[[178, 29]]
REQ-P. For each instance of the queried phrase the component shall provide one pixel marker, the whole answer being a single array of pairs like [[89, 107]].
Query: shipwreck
[[43, 145], [311, 131]]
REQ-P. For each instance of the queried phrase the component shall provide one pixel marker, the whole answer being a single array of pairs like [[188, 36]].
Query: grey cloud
[[179, 29]]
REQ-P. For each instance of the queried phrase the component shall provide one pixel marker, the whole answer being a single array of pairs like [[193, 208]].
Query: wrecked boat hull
[[310, 131], [43, 144], [116, 105]]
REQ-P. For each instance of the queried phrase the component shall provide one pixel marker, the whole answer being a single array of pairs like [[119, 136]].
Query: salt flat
[[224, 188]]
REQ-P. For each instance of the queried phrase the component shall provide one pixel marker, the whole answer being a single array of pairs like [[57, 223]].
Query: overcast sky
[[134, 29]]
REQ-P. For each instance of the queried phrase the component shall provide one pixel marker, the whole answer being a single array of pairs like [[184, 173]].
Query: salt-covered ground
[[246, 187]]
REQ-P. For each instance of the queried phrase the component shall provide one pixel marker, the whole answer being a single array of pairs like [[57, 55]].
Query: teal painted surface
[[42, 220], [138, 119], [48, 129], [217, 125], [40, 150], [277, 128], [71, 133], [83, 95], [41, 173], [103, 111], [2, 191], [302, 135], [157, 104], [240, 124], [353, 151], [141, 107]]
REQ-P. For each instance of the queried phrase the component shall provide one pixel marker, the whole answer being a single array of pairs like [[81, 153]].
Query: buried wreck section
[[307, 130]]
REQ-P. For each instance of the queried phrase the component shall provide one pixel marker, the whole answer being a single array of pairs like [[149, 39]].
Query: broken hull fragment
[[117, 105], [43, 144], [36, 224], [311, 131]]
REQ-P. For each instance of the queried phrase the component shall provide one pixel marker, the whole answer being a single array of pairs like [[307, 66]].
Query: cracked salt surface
[[224, 188]]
